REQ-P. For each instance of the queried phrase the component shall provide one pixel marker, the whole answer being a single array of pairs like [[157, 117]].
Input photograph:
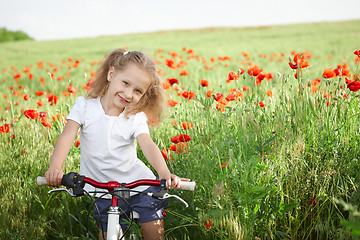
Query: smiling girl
[[127, 92]]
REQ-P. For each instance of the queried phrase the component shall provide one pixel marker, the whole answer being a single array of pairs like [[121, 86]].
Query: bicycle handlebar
[[118, 191], [190, 186]]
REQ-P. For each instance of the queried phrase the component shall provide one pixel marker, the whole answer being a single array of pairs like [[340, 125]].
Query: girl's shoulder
[[139, 123], [89, 107], [84, 99], [140, 116], [83, 102]]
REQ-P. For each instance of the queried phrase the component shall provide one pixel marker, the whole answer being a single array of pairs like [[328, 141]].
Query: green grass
[[292, 167]]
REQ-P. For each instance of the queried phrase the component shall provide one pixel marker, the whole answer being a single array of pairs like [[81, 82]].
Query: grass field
[[274, 156]]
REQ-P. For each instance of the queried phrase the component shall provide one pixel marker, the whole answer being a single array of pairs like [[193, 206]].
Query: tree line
[[9, 36]]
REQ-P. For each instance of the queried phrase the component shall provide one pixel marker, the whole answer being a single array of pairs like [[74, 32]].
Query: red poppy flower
[[172, 81], [269, 76], [314, 88], [39, 93], [40, 64], [234, 95], [259, 78], [315, 82], [220, 106], [300, 59], [329, 73], [233, 76], [40, 103], [171, 103], [352, 85], [293, 66], [357, 53], [42, 80], [189, 95], [5, 128], [31, 114], [184, 138], [170, 63], [52, 99], [184, 73], [42, 114], [209, 93], [72, 89], [17, 76], [225, 58], [209, 224], [15, 92], [300, 62], [269, 93], [77, 143], [26, 97], [218, 97], [204, 83], [245, 88], [231, 97], [261, 104], [45, 122], [165, 153], [166, 85], [186, 125], [59, 117], [254, 71], [175, 148], [224, 165], [175, 139]]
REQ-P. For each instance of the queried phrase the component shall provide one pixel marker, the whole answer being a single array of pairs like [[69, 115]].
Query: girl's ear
[[110, 74]]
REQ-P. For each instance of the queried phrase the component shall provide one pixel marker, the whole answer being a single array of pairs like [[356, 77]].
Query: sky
[[68, 19]]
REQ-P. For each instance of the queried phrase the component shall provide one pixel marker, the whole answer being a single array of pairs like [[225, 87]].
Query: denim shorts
[[149, 208]]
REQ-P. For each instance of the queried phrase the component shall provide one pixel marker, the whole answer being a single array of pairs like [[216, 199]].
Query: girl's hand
[[54, 177], [175, 180]]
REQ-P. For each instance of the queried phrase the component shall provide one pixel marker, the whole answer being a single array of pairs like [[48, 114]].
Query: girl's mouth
[[122, 99]]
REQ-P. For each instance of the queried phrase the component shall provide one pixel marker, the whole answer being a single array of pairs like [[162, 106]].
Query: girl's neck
[[110, 109]]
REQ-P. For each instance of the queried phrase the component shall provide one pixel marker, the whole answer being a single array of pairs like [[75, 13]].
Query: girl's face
[[126, 87]]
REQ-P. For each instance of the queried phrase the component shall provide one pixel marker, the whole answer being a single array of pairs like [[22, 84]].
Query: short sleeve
[[141, 125], [77, 112]]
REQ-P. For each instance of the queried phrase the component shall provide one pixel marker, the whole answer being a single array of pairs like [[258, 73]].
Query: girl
[[114, 113]]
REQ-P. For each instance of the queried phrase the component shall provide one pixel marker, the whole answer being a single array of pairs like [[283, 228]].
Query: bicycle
[[75, 187]]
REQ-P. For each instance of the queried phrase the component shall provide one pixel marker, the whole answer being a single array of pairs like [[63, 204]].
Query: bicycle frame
[[114, 231]]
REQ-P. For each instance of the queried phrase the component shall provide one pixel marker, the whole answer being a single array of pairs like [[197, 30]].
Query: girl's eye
[[126, 83], [138, 91]]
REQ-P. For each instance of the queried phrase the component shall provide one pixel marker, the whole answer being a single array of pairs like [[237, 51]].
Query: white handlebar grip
[[41, 181], [190, 186]]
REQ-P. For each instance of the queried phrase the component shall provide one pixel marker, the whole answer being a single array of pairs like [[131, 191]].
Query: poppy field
[[265, 120]]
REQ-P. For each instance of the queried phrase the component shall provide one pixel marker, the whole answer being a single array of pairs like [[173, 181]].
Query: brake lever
[[69, 191], [166, 195]]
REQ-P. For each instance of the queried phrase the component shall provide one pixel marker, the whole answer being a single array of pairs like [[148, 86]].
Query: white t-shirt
[[108, 148]]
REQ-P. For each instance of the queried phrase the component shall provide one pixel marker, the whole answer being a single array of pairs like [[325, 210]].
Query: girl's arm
[[153, 155], [62, 148]]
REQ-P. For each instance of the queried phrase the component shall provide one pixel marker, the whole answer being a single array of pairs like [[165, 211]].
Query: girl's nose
[[128, 94]]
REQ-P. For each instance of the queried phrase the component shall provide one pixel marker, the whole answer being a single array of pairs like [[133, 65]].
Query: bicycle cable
[[131, 217], [88, 216]]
